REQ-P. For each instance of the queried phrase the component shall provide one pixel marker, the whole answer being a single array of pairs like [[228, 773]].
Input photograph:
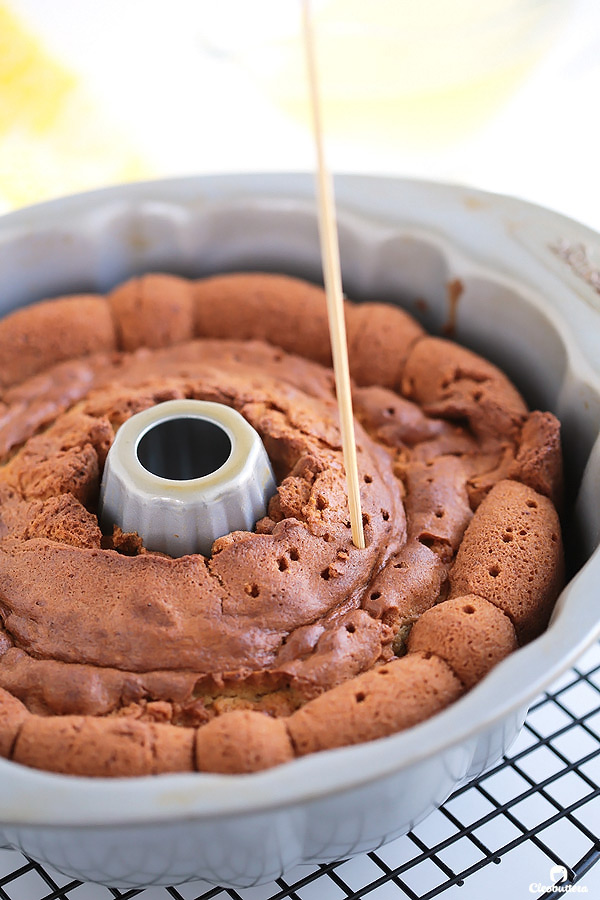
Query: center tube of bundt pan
[[182, 474], [332, 274]]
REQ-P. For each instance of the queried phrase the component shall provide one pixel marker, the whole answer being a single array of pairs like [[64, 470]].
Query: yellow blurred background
[[498, 94]]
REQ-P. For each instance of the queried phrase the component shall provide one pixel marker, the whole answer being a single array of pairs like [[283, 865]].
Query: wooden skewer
[[330, 252]]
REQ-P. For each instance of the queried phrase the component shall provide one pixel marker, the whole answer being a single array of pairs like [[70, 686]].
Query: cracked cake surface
[[116, 660]]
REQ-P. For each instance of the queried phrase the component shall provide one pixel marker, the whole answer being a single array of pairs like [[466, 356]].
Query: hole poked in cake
[[184, 448]]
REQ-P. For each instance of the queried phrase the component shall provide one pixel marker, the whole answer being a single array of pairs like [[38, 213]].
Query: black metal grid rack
[[536, 811]]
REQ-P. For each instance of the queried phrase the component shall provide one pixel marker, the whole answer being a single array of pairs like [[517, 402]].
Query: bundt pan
[[528, 294]]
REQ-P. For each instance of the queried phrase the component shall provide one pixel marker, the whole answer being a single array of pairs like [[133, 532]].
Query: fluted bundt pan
[[514, 282]]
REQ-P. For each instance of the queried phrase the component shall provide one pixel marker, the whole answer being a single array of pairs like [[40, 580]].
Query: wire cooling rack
[[531, 822]]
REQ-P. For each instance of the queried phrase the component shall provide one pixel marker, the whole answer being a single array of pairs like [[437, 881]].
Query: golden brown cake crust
[[454, 383], [286, 640], [375, 704], [84, 745], [153, 311], [242, 741], [287, 312], [469, 633], [379, 341], [511, 555], [12, 716], [35, 338]]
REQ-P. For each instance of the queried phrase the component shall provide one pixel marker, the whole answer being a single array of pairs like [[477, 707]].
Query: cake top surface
[[283, 619]]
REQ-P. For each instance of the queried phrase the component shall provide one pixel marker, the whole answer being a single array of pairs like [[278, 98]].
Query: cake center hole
[[184, 448]]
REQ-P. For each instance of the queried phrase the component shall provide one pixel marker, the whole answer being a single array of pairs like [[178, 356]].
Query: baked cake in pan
[[116, 660]]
